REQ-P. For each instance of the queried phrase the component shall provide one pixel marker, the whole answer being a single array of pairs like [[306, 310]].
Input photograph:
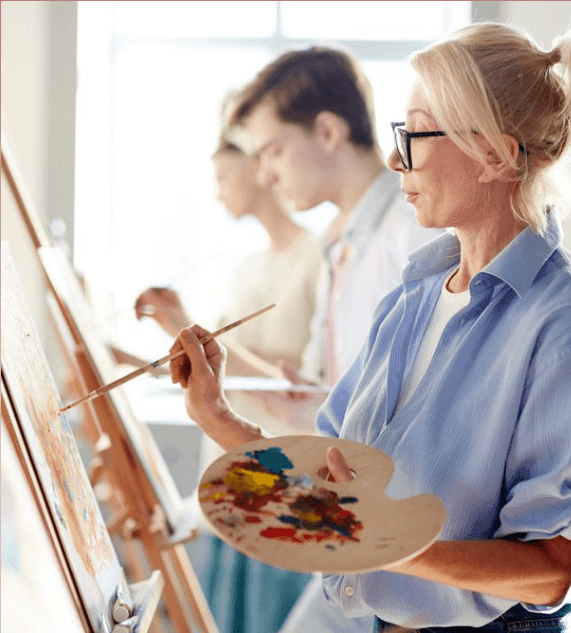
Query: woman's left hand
[[338, 468]]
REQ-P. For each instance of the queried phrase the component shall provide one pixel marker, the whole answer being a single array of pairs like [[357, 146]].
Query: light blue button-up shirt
[[488, 429]]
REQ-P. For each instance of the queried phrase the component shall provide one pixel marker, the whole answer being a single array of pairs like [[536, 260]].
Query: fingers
[[297, 396], [179, 367], [203, 358], [153, 299], [144, 311], [337, 466], [144, 304]]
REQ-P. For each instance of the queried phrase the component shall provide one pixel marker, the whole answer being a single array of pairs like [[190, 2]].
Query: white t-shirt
[[449, 303]]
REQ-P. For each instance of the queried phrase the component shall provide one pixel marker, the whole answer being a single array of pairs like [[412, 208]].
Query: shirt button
[[349, 591]]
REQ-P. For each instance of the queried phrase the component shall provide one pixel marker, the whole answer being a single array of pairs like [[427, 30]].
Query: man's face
[[292, 159]]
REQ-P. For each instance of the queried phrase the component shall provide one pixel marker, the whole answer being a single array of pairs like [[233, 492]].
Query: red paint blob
[[253, 519], [284, 534]]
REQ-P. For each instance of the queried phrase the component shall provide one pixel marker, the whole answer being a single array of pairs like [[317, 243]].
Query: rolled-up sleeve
[[538, 467]]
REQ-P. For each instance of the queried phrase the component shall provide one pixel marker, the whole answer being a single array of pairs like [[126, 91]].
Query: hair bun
[[554, 57]]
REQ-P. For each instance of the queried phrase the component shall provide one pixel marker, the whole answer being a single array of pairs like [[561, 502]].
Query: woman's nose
[[394, 162]]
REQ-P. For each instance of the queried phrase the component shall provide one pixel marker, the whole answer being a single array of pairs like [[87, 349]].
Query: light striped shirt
[[488, 429], [381, 232]]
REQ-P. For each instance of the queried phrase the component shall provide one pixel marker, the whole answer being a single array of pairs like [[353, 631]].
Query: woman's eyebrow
[[415, 110]]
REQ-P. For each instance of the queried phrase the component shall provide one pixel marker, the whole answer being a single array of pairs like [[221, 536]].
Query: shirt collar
[[517, 264], [369, 211], [521, 260]]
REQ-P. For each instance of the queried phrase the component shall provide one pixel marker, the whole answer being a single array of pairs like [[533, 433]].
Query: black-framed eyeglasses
[[402, 142]]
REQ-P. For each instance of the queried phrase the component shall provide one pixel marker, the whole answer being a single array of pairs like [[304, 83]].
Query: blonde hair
[[233, 138], [492, 78]]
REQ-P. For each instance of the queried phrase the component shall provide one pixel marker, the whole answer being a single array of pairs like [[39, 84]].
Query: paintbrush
[[161, 361]]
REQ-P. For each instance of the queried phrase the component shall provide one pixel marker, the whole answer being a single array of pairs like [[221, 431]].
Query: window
[[152, 76]]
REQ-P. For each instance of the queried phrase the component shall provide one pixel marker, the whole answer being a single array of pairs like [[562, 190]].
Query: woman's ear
[[497, 166], [331, 130]]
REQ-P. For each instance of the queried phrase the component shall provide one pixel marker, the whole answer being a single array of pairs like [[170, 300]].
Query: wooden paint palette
[[268, 500]]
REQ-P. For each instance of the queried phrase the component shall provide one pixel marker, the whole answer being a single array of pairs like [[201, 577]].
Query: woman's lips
[[410, 195]]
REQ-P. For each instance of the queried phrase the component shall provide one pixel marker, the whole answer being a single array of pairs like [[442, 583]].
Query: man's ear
[[331, 130], [497, 166]]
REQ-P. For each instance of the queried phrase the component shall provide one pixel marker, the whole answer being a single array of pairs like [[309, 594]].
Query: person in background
[[246, 596], [310, 114], [465, 377]]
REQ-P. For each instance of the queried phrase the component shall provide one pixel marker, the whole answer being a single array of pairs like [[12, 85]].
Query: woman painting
[[465, 379]]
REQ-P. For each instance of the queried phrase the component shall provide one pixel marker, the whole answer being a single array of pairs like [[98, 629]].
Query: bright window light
[[151, 81], [207, 18], [363, 20]]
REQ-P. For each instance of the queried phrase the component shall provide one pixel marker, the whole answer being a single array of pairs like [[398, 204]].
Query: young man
[[310, 116]]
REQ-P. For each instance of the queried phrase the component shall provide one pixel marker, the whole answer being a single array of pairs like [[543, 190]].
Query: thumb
[[337, 466]]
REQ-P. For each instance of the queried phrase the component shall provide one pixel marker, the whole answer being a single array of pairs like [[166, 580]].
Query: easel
[[150, 507], [83, 560]]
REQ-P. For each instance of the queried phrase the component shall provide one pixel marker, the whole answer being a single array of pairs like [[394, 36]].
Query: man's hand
[[289, 372]]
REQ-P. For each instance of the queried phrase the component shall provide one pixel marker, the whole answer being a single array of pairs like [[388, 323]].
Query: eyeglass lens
[[400, 139]]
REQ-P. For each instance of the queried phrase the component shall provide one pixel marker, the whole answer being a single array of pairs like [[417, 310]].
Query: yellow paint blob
[[242, 480], [213, 497], [310, 517]]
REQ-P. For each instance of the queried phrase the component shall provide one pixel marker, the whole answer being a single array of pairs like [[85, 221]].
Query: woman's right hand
[[199, 371], [163, 305]]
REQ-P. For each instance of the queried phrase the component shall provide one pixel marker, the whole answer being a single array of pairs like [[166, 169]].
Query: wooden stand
[[57, 480], [147, 504]]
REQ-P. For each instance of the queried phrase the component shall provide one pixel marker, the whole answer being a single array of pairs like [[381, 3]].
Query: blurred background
[[111, 110]]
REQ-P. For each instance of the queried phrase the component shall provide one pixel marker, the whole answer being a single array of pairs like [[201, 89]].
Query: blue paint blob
[[68, 492], [289, 519], [272, 458], [65, 424], [338, 528], [348, 500], [155, 364]]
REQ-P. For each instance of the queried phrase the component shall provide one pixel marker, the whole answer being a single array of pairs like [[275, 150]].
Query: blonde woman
[[465, 379]]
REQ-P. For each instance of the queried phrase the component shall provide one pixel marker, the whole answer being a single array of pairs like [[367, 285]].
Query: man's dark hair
[[301, 84]]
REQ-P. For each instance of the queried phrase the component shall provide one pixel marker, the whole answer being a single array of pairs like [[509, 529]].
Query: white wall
[[544, 21], [38, 43]]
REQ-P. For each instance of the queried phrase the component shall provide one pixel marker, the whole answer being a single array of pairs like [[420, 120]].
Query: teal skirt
[[244, 595]]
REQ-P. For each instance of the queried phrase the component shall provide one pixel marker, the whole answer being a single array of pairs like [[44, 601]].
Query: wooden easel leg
[[201, 613], [174, 597]]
